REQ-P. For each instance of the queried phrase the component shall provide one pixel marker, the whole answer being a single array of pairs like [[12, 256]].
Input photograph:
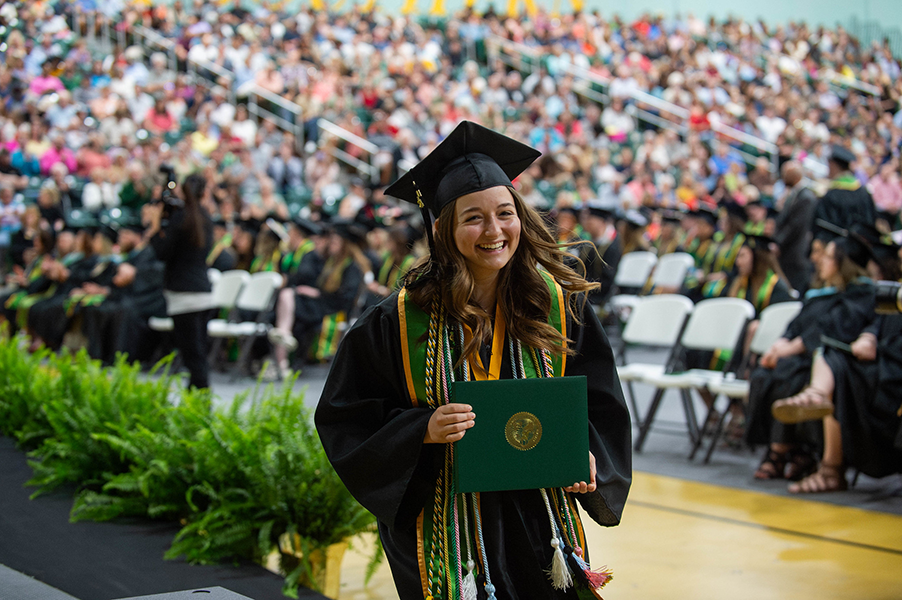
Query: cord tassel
[[561, 578], [596, 579], [468, 589]]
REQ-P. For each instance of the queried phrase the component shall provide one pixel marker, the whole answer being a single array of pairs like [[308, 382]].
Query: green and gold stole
[[449, 547]]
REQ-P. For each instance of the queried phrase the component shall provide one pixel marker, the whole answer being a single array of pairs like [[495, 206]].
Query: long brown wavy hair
[[523, 296]]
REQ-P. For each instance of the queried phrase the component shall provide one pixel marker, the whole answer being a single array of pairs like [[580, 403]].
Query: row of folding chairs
[[639, 269], [246, 301], [673, 321]]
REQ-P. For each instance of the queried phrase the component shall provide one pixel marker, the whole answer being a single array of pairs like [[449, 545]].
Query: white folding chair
[[671, 270], [257, 297], [632, 274], [717, 323], [669, 273], [772, 325], [165, 324], [634, 269], [655, 321]]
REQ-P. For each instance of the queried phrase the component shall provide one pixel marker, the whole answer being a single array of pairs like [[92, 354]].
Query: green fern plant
[[237, 478], [81, 403]]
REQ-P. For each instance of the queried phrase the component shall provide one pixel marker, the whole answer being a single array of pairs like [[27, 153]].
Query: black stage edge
[[103, 561]]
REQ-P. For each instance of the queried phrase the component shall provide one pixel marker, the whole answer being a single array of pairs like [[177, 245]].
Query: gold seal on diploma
[[523, 431]]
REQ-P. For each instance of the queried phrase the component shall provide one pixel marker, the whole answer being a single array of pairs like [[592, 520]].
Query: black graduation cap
[[277, 229], [349, 230], [758, 242], [568, 209], [854, 244], [706, 213], [471, 159], [307, 226], [635, 219], [883, 247], [602, 209], [735, 210], [106, 231], [252, 226], [841, 155]]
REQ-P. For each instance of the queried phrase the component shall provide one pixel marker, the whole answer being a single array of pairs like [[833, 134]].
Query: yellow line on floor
[[802, 514]]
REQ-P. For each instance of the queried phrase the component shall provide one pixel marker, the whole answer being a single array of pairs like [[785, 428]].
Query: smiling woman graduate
[[495, 299]]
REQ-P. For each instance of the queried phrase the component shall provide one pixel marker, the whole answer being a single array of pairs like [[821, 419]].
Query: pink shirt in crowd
[[53, 156]]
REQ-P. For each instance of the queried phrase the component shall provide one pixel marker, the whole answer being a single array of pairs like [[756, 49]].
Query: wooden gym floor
[[688, 540]]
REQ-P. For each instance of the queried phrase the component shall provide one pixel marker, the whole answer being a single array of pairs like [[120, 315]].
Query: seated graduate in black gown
[[857, 392], [497, 284], [118, 322], [835, 313], [50, 318]]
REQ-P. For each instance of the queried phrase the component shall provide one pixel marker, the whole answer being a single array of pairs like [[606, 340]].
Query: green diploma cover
[[529, 434]]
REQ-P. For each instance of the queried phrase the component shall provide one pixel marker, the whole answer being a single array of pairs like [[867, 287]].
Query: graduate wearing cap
[[31, 283], [117, 321], [388, 427], [854, 393], [833, 314], [395, 262], [669, 238], [702, 246], [301, 234], [340, 284], [757, 278], [602, 256], [222, 256], [732, 221], [846, 203]]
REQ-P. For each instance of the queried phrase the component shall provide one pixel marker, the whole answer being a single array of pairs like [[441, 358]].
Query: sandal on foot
[[808, 405], [773, 465], [801, 463], [828, 478]]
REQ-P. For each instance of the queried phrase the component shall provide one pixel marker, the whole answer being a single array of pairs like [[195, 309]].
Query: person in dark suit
[[183, 243], [792, 232]]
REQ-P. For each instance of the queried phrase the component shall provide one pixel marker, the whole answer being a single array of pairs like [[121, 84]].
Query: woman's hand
[[582, 487], [449, 423], [865, 347]]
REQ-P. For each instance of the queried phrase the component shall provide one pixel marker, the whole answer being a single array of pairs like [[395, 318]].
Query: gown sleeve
[[370, 432], [609, 420]]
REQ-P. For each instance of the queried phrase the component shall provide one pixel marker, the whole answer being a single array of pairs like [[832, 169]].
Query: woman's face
[[827, 268], [487, 231], [745, 260], [336, 244]]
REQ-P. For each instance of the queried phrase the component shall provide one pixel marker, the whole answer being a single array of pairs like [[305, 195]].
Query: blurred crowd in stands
[[774, 116]]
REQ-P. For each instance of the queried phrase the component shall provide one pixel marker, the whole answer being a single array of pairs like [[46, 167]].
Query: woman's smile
[[487, 231]]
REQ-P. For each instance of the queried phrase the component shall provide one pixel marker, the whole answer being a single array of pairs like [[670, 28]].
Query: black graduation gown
[[867, 398], [841, 316], [374, 439], [48, 318], [843, 208], [119, 323], [601, 267], [307, 310]]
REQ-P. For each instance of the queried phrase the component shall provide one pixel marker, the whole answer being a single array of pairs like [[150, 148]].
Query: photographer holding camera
[[181, 233]]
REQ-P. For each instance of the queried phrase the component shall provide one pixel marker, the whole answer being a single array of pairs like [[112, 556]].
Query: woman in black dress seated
[[837, 313], [857, 394]]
